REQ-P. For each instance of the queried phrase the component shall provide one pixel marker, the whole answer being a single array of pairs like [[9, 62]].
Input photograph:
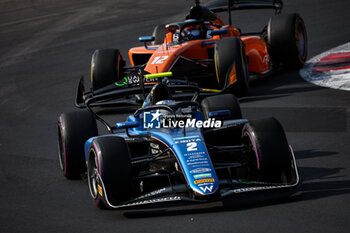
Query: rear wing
[[228, 5], [127, 93], [132, 94]]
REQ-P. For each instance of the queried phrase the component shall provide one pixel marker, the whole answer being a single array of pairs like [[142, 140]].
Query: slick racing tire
[[224, 136], [231, 65], [222, 102], [287, 40], [109, 171], [107, 66], [159, 34], [74, 128], [269, 155]]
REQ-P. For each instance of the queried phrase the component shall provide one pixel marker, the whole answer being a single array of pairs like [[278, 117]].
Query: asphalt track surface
[[45, 46]]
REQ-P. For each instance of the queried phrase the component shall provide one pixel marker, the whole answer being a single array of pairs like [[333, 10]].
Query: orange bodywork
[[164, 56], [256, 50]]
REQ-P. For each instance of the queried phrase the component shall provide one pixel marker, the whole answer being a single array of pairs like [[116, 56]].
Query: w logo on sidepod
[[205, 188]]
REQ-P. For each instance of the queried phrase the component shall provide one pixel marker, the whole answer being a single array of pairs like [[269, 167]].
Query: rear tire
[[270, 156], [74, 128], [224, 136], [231, 64], [222, 102], [106, 67], [109, 157], [159, 34], [287, 40]]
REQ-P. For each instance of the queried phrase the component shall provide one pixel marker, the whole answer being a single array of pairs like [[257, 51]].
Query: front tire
[[269, 155], [109, 159], [222, 102], [231, 65], [74, 128], [106, 67]]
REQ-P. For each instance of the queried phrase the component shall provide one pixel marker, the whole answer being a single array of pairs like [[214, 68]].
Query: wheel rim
[[93, 175], [61, 149], [301, 43]]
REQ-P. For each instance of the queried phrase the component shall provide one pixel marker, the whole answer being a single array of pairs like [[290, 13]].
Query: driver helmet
[[165, 102], [192, 32], [160, 92]]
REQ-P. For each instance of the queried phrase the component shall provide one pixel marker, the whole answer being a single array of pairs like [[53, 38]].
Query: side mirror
[[221, 113], [126, 125], [146, 39], [219, 32]]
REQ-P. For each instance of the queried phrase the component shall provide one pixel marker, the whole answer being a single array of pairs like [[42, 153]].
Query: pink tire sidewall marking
[[98, 200], [251, 137]]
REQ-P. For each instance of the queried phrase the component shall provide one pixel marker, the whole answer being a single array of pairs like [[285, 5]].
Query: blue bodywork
[[187, 145]]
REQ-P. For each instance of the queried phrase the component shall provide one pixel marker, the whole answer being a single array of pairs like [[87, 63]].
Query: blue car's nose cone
[[193, 157]]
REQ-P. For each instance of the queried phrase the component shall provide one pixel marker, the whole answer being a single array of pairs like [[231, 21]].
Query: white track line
[[336, 79]]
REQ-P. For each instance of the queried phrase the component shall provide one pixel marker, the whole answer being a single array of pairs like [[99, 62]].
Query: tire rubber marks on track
[[329, 69]]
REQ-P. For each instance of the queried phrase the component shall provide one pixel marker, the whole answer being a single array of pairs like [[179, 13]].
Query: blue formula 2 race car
[[173, 149]]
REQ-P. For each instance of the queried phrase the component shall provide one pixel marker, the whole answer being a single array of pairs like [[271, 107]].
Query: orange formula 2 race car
[[204, 50]]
